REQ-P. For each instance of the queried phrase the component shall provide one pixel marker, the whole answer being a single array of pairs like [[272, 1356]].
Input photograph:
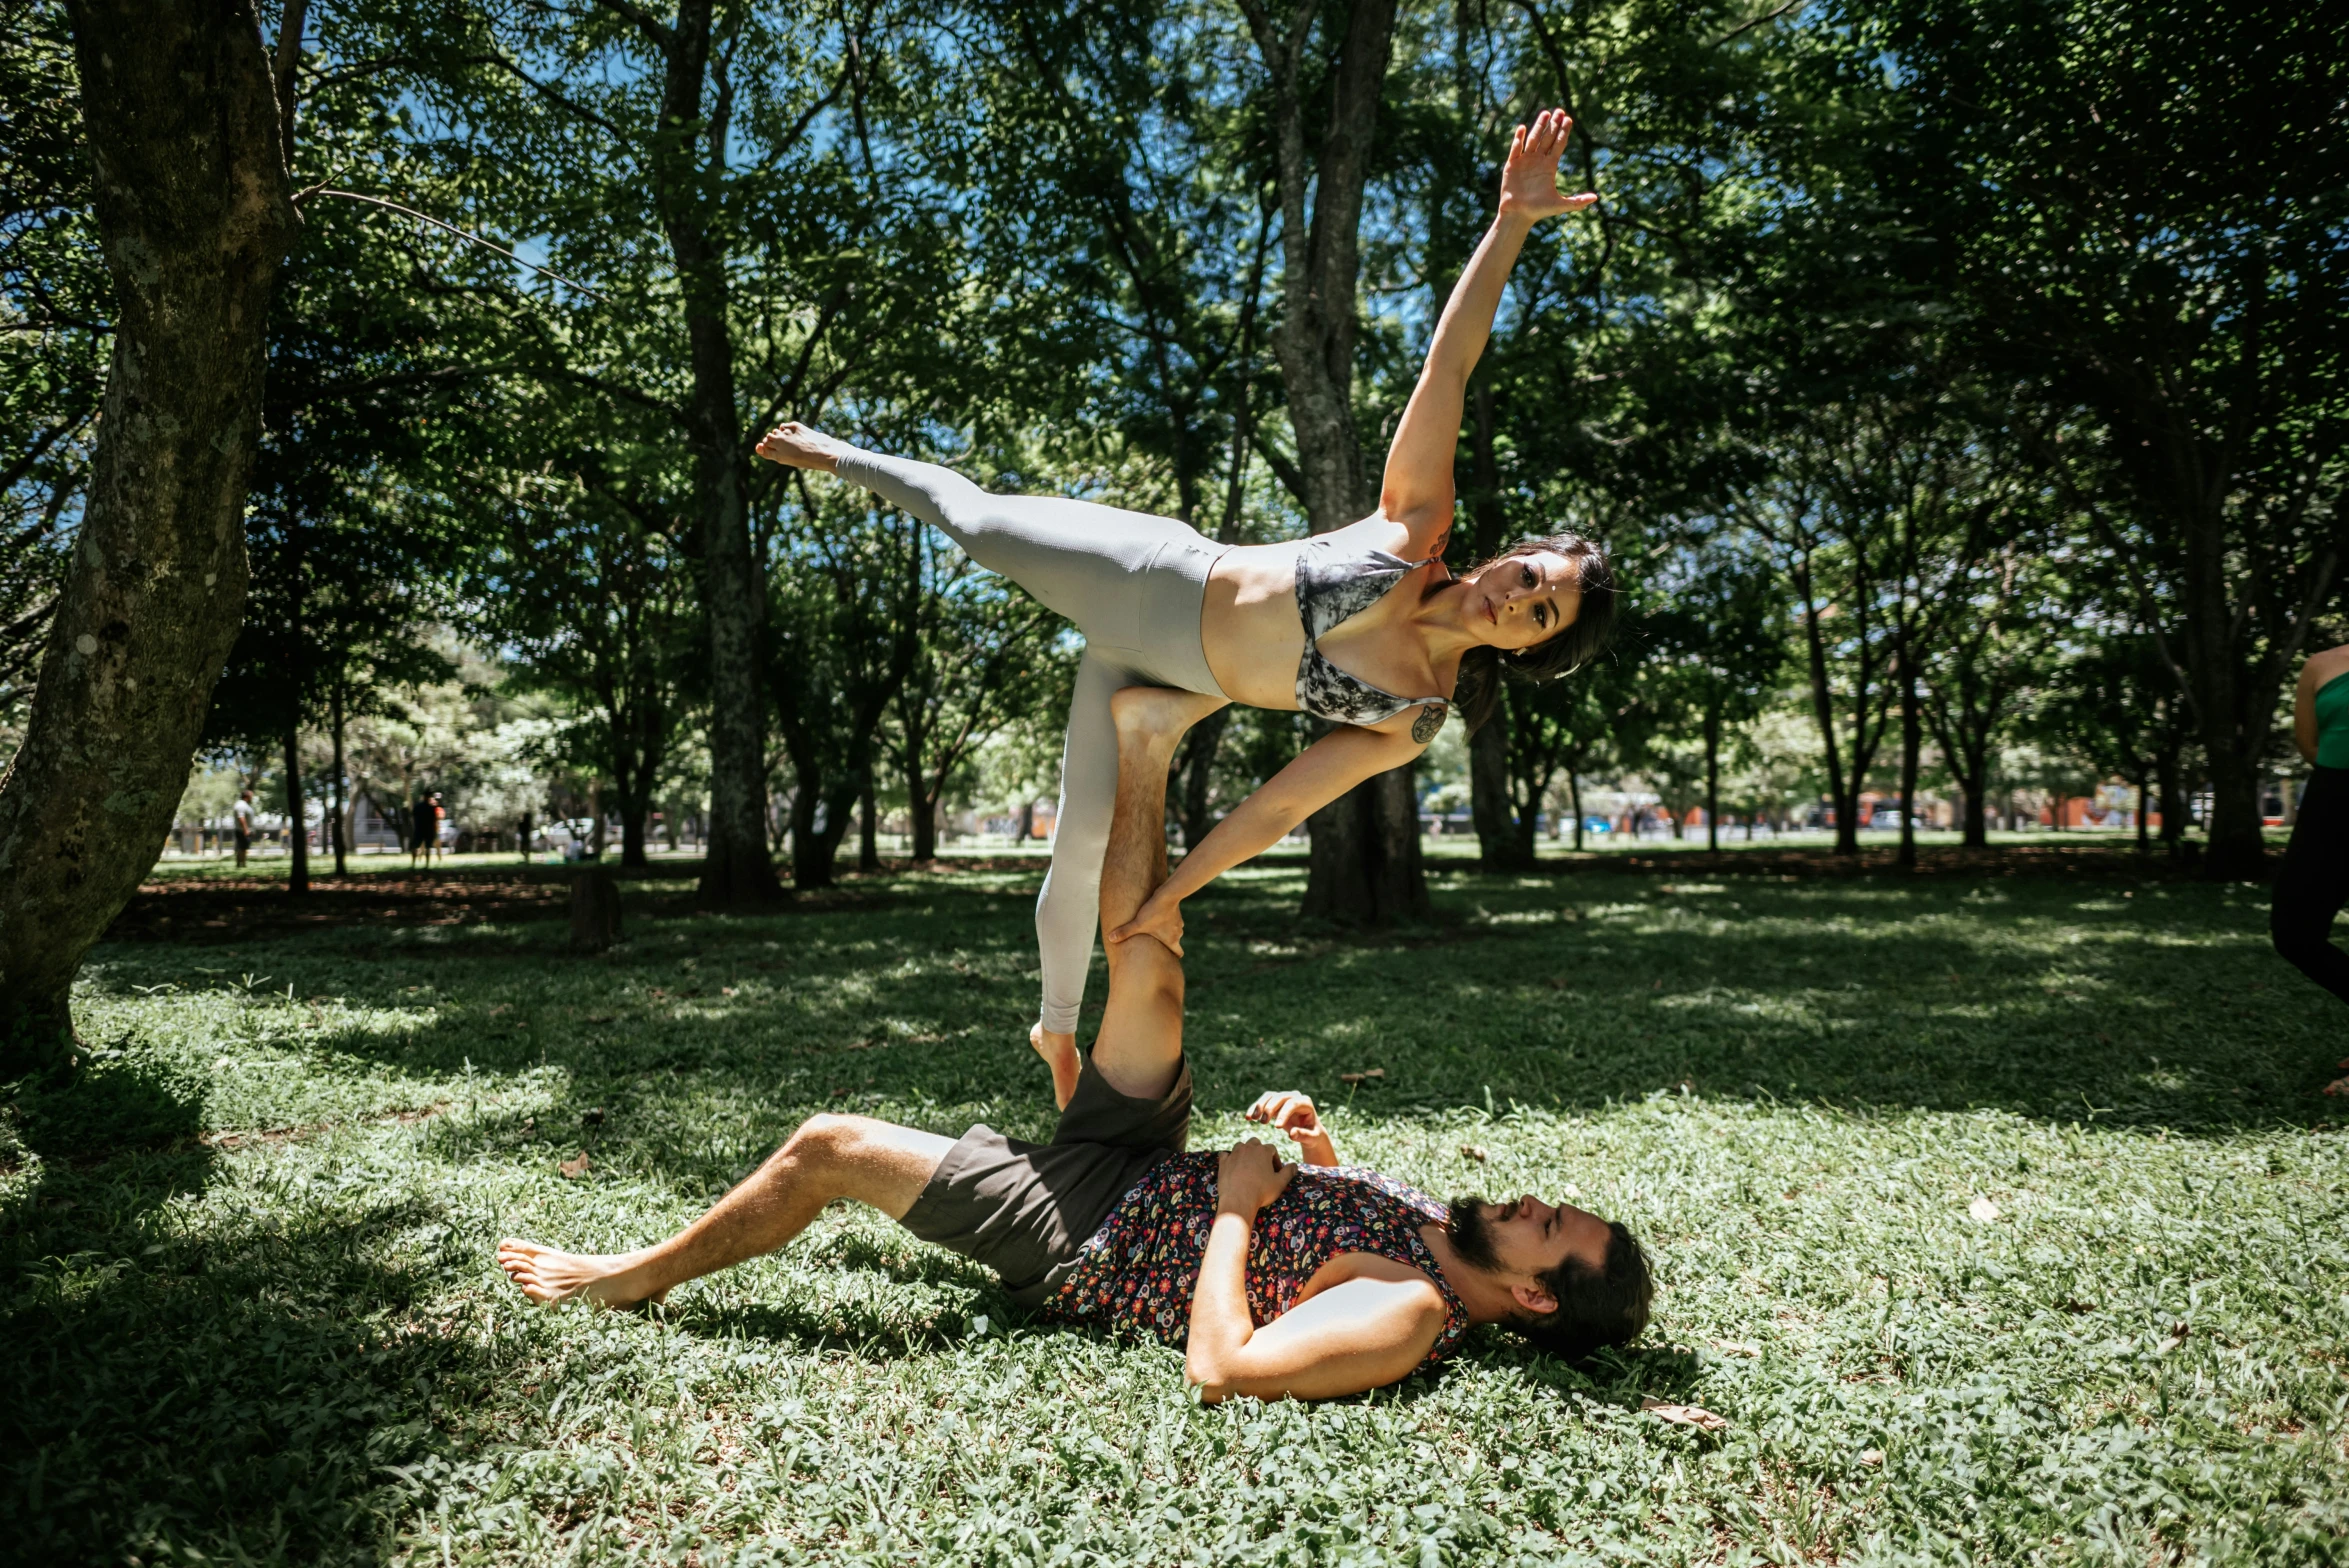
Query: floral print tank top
[[1141, 1267]]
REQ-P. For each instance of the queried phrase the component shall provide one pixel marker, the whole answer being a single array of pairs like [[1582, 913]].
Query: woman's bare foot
[[1060, 1054], [551, 1277], [794, 445]]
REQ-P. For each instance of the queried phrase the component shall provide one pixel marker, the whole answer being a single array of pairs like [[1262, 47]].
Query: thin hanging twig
[[393, 206]]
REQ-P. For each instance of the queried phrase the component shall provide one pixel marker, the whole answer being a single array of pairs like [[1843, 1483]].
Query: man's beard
[[1472, 1236]]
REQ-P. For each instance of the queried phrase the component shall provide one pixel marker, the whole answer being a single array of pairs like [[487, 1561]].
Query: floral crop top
[[1140, 1268]]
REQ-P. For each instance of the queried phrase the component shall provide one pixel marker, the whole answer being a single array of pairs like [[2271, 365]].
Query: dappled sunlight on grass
[[1988, 1214]]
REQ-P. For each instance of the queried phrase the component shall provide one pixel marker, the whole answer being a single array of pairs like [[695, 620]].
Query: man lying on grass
[[1277, 1280]]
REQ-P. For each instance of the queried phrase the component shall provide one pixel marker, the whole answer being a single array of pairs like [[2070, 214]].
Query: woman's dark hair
[[1477, 689], [1596, 1307]]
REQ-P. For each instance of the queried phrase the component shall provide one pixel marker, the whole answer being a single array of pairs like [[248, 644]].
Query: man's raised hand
[[1292, 1111], [1529, 181]]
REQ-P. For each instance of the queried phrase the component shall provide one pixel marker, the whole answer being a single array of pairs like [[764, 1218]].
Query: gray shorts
[[1024, 1209]]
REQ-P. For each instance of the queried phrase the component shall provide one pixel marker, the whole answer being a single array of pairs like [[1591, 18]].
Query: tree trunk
[[595, 820], [2173, 816], [1713, 778], [1314, 343], [1372, 875], [1574, 794], [925, 828], [736, 870], [342, 794], [297, 880], [1976, 784], [633, 811], [1489, 802], [1912, 750], [868, 830], [920, 808], [190, 195], [2144, 782]]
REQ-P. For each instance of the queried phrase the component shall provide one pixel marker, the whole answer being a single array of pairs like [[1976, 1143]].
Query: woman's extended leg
[[1068, 906], [1079, 558], [830, 1156], [2313, 883]]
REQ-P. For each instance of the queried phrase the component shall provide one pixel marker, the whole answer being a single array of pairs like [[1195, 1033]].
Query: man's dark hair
[[1596, 1307]]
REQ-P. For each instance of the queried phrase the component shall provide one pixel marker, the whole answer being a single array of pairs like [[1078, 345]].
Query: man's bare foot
[[794, 445], [551, 1277], [1060, 1054], [1157, 716]]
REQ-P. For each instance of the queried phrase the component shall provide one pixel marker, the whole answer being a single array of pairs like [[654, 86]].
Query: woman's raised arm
[[1417, 488]]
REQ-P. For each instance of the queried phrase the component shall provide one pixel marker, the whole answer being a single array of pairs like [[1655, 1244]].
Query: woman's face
[[1520, 600]]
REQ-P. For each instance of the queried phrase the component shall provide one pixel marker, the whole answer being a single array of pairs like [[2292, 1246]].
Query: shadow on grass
[[249, 1390], [2053, 1000]]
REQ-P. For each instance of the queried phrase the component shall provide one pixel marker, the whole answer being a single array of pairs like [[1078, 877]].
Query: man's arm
[[1363, 1334]]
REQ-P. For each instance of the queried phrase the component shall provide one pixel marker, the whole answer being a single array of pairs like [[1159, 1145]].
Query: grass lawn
[[2002, 1219]]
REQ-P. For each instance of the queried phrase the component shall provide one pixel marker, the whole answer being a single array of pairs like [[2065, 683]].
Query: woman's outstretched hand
[[1529, 181], [1158, 917]]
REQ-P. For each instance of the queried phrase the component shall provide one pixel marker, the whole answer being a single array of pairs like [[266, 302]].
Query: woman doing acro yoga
[[1362, 626]]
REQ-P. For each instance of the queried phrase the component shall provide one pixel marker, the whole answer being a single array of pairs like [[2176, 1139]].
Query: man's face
[[1525, 1238]]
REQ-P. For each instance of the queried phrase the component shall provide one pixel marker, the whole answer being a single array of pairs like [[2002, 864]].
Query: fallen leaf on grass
[[2338, 1086], [1685, 1415], [1983, 1210], [1731, 1347], [1871, 1456], [1477, 1152], [573, 1168], [1366, 1073]]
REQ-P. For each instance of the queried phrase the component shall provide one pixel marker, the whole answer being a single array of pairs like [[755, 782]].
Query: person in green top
[[2314, 880]]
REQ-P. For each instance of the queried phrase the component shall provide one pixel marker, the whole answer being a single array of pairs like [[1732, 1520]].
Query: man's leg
[[1140, 1046], [829, 1157]]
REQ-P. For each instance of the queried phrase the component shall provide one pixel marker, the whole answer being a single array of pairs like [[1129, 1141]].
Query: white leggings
[[1134, 584]]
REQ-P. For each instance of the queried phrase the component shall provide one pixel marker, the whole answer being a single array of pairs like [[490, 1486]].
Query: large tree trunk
[[736, 870], [192, 206], [1360, 841]]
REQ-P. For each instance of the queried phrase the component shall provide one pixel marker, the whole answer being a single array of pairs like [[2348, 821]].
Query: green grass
[[253, 1316]]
